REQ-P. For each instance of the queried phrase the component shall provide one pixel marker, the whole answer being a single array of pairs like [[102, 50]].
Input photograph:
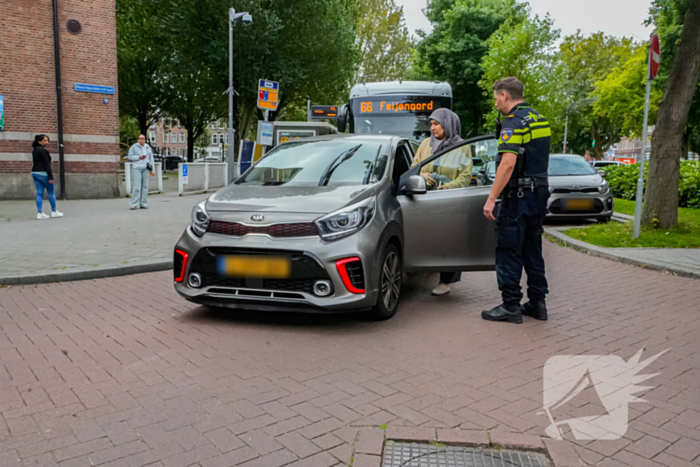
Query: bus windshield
[[396, 114]]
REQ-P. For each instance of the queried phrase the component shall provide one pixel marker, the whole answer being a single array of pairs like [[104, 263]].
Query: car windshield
[[569, 165], [320, 163]]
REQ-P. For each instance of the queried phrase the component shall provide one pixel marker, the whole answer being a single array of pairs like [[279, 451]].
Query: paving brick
[[260, 441], [298, 444], [367, 460], [275, 459], [466, 437], [403, 433], [563, 453], [519, 440], [648, 447], [685, 448], [223, 439], [371, 441]]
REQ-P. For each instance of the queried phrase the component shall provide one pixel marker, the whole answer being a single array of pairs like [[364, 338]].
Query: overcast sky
[[615, 17]]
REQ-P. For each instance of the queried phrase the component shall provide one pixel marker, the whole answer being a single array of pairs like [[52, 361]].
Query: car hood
[[582, 181], [318, 200]]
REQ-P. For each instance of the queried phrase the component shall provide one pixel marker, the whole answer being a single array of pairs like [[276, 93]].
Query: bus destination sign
[[411, 105]]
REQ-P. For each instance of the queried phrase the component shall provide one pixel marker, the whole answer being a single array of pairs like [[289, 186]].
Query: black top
[[526, 133], [42, 161]]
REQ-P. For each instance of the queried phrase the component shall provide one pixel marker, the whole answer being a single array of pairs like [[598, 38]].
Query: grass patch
[[616, 235], [624, 206]]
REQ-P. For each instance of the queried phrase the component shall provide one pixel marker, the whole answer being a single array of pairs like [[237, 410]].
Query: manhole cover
[[428, 455]]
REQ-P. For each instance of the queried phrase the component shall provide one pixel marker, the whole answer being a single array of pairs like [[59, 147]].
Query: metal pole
[[59, 100], [308, 110], [640, 159], [566, 132], [230, 157]]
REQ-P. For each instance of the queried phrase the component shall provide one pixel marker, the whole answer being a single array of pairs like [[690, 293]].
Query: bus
[[397, 108]]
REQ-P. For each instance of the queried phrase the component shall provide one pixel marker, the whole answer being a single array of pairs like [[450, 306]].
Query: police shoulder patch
[[506, 134]]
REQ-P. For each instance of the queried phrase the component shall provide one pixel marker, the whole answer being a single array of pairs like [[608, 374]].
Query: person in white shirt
[[142, 164]]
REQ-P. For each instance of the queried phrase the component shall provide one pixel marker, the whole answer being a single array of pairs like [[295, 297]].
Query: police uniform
[[527, 134]]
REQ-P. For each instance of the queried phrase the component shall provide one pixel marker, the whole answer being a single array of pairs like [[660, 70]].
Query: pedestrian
[[522, 185], [454, 169], [43, 176], [142, 163], [588, 157]]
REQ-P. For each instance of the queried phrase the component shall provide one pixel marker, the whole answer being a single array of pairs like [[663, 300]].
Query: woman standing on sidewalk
[[43, 176]]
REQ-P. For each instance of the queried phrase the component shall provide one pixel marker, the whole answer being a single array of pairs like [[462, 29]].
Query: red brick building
[[28, 84]]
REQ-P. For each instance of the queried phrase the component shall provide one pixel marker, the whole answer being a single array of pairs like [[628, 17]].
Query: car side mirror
[[602, 173], [414, 185]]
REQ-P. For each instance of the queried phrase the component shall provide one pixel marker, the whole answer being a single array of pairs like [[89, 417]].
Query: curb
[[608, 253], [84, 275]]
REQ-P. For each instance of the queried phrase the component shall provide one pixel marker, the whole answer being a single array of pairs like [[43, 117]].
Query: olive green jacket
[[455, 165]]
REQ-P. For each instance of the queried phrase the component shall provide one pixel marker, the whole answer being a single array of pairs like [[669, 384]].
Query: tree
[[620, 96], [454, 50], [667, 141], [585, 62], [527, 51], [141, 58], [383, 40]]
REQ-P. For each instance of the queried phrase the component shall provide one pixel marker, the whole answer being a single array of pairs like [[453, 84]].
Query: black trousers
[[450, 277], [519, 244]]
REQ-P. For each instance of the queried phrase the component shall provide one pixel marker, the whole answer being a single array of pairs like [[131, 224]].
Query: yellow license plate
[[255, 267], [578, 204]]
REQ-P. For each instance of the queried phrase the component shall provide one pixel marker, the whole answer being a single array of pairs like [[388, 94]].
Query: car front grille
[[556, 208], [577, 190], [357, 277], [286, 285], [306, 229]]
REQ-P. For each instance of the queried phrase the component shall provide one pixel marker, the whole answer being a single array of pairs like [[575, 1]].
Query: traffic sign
[[267, 94], [654, 56], [185, 174], [322, 112]]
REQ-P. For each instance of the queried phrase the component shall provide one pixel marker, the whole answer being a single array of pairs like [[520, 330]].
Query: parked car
[[603, 164], [487, 174], [172, 162], [577, 190], [330, 224]]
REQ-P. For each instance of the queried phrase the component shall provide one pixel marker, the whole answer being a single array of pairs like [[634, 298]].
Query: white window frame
[[182, 137], [214, 140], [173, 137]]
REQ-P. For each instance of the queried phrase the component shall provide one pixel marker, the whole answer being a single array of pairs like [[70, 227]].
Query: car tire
[[390, 278]]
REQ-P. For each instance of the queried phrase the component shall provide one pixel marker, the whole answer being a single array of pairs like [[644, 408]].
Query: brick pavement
[[122, 372]]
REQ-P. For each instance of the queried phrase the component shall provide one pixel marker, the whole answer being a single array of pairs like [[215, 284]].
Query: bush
[[623, 182]]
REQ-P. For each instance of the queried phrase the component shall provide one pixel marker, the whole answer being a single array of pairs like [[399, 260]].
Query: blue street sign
[[184, 170], [94, 89], [272, 85]]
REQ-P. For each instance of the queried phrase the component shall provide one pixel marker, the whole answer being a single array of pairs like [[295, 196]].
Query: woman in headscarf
[[452, 170]]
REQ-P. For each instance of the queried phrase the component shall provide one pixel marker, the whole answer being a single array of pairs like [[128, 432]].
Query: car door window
[[454, 168]]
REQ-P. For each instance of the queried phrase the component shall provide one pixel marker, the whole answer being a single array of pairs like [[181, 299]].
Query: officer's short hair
[[511, 85]]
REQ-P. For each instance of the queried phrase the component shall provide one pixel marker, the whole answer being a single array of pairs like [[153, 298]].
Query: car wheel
[[390, 279]]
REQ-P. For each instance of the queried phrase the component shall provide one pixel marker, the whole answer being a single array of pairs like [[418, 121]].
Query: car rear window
[[569, 165]]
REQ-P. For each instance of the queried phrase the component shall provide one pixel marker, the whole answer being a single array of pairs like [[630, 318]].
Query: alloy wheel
[[391, 280]]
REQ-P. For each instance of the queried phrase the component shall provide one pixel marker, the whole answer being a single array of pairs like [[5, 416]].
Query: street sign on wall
[[2, 114], [654, 56], [185, 174], [94, 89], [268, 94]]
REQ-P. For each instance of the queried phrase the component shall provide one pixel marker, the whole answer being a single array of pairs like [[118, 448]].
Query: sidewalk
[[96, 238], [680, 261]]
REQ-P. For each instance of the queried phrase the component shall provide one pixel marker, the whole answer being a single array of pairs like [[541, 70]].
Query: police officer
[[521, 183]]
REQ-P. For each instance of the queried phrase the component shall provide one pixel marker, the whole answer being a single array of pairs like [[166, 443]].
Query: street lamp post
[[246, 18]]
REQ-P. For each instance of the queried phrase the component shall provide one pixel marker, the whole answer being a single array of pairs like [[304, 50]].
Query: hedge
[[623, 182]]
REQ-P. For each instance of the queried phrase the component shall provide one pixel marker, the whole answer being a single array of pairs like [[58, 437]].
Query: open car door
[[444, 228]]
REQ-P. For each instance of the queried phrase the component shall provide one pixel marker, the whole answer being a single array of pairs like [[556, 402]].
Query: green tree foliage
[[455, 48], [141, 59], [383, 40], [584, 62], [527, 51], [620, 96]]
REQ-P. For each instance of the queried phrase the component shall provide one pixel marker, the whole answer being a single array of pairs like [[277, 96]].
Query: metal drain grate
[[427, 455]]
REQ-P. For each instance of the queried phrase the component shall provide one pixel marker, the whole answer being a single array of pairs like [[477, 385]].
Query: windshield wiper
[[368, 175], [325, 178]]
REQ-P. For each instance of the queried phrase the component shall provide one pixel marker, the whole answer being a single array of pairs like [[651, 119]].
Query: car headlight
[[603, 187], [346, 221], [200, 219]]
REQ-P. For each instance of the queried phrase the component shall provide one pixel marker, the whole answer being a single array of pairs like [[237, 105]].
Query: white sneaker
[[441, 289], [56, 214], [41, 216]]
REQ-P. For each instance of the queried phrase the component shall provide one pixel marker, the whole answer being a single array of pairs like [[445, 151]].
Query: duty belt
[[525, 183]]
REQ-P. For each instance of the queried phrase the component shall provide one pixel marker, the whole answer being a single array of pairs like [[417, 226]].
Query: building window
[[214, 140], [221, 125], [182, 137], [213, 126], [173, 137], [152, 137], [227, 138]]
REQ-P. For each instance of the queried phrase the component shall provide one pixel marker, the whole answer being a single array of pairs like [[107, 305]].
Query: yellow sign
[[263, 268], [267, 95], [388, 107]]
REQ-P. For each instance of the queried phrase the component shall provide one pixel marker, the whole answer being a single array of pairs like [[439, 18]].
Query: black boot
[[535, 309], [507, 313]]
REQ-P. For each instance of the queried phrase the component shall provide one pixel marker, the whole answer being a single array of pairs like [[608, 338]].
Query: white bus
[[394, 108]]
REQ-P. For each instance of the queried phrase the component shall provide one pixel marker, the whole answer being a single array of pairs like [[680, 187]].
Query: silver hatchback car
[[330, 224], [577, 190]]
